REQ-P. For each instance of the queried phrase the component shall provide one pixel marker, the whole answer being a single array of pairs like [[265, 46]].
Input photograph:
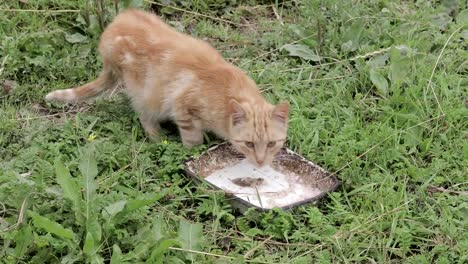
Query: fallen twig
[[277, 15], [434, 189]]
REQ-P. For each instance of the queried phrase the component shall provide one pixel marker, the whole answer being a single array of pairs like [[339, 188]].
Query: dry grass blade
[[21, 215], [277, 15], [369, 54], [434, 189], [3, 211], [2, 65], [429, 84], [258, 196]]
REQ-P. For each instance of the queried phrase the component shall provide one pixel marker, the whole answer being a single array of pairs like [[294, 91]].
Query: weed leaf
[[315, 139], [163, 246], [89, 245], [76, 38], [190, 234], [94, 227], [441, 20], [51, 226], [23, 240], [304, 34], [301, 51], [462, 17], [71, 258], [116, 255], [91, 248], [353, 36], [241, 260], [398, 67], [150, 235], [113, 209], [88, 169], [159, 227], [133, 205], [298, 30], [379, 81], [71, 190]]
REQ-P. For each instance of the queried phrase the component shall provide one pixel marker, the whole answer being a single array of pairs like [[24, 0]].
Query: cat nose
[[260, 161]]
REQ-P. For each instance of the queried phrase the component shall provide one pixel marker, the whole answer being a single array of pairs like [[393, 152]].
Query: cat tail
[[105, 81]]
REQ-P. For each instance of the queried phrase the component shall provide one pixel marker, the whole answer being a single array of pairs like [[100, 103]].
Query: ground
[[378, 94]]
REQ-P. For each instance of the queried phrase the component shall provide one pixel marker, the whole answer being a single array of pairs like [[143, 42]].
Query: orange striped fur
[[170, 75]]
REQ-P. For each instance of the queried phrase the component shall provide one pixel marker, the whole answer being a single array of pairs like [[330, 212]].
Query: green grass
[[378, 91]]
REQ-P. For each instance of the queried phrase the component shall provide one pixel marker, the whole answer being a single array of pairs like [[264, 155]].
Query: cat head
[[258, 130]]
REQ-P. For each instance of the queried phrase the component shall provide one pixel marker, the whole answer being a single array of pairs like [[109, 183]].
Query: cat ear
[[237, 112], [281, 112]]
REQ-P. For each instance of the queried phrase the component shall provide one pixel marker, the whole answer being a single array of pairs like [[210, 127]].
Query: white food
[[277, 189]]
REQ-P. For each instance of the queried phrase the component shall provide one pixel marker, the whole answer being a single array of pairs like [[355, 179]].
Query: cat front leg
[[150, 126], [190, 132], [190, 127]]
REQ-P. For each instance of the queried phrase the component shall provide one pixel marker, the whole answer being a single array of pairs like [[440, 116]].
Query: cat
[[169, 75]]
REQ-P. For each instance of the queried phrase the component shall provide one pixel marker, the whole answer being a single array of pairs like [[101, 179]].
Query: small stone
[[8, 86]]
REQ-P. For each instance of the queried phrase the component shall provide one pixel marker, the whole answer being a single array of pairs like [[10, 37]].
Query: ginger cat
[[171, 76]]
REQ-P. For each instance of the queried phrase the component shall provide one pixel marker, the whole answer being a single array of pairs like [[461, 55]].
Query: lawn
[[378, 92]]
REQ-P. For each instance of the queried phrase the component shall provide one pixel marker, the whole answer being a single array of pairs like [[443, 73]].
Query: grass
[[378, 91]]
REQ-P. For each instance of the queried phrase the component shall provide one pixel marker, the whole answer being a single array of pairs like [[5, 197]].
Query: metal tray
[[307, 174]]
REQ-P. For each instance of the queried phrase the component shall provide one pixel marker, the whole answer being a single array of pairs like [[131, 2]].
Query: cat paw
[[190, 143], [153, 136], [152, 133], [151, 129]]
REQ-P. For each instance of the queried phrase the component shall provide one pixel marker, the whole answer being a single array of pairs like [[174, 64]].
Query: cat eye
[[249, 144], [271, 144]]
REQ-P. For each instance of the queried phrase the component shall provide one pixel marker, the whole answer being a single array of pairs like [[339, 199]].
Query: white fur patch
[[128, 58], [61, 95]]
